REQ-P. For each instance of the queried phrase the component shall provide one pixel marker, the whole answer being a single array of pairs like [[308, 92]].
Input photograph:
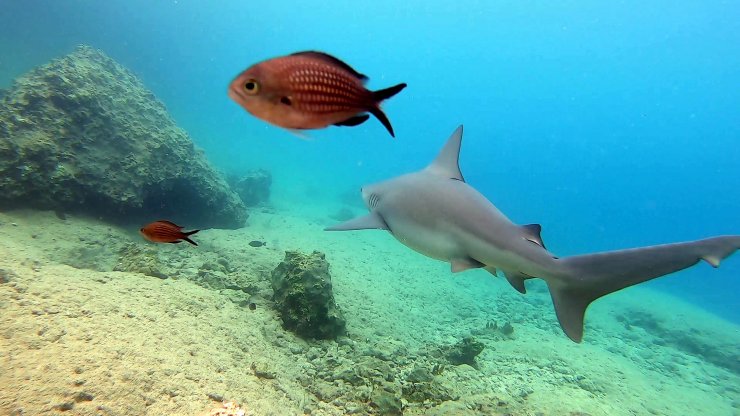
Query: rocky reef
[[303, 296], [82, 134], [253, 188]]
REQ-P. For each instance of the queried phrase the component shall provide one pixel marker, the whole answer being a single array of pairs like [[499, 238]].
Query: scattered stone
[[260, 371], [464, 352], [303, 296], [507, 329], [386, 402], [216, 397], [65, 406], [83, 396], [139, 259], [7, 276]]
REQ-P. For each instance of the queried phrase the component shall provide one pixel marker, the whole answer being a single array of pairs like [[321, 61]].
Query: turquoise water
[[612, 124]]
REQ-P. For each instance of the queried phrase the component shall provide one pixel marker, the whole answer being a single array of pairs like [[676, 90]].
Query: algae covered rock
[[83, 134], [303, 295]]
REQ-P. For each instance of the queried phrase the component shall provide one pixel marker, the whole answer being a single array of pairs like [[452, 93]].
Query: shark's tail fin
[[589, 277]]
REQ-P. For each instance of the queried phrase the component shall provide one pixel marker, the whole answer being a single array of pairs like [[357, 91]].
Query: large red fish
[[164, 231], [309, 90]]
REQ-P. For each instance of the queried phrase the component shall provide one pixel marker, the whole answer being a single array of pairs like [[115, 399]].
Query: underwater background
[[612, 124]]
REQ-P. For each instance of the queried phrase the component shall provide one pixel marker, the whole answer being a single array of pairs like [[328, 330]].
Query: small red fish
[[163, 231], [309, 90]]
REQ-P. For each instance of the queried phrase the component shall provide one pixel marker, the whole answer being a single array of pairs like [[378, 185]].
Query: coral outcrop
[[303, 295], [83, 134]]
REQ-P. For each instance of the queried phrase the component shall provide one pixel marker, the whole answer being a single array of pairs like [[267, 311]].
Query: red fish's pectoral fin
[[353, 121], [175, 242], [301, 134]]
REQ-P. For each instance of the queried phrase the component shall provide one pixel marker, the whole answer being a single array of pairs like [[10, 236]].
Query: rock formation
[[82, 134], [303, 295]]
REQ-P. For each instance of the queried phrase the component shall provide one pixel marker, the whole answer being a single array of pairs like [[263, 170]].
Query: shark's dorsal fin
[[446, 164], [532, 233]]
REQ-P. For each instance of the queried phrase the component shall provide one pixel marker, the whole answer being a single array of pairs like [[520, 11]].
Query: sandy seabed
[[78, 338]]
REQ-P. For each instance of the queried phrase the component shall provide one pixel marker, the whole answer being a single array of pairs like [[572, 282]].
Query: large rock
[[82, 134], [303, 295]]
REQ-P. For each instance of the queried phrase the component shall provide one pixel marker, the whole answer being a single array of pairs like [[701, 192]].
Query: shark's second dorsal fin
[[446, 164], [532, 233]]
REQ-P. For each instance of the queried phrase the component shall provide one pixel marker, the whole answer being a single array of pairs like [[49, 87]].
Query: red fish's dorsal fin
[[170, 223], [332, 60]]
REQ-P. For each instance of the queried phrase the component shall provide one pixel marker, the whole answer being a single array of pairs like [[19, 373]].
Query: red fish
[[309, 90], [164, 231]]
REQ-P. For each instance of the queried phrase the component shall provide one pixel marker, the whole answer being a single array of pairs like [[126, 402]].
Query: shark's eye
[[252, 87]]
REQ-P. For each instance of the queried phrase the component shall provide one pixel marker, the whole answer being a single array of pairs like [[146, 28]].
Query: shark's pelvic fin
[[592, 276], [516, 280], [460, 265], [446, 164], [371, 221]]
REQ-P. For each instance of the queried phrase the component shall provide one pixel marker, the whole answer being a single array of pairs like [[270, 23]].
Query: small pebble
[[83, 396], [216, 397]]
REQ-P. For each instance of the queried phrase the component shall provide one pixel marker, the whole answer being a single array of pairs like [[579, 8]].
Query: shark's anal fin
[[371, 221], [532, 233], [516, 280], [460, 265]]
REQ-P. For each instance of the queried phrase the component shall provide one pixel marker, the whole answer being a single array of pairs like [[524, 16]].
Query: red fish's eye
[[252, 86]]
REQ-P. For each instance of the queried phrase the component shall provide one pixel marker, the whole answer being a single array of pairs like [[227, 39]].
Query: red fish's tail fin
[[188, 234], [378, 97], [386, 93]]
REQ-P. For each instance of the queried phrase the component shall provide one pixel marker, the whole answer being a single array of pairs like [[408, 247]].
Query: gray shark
[[434, 212]]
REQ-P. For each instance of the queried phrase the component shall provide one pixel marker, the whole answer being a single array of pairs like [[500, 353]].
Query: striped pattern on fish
[[309, 90]]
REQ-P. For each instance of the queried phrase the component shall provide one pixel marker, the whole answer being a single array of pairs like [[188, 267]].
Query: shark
[[436, 213]]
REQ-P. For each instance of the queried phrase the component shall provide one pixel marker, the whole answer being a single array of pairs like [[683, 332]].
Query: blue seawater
[[613, 124]]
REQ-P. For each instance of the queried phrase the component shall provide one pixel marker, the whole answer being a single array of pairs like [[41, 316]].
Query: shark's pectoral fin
[[460, 265], [371, 221], [516, 280], [570, 308]]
